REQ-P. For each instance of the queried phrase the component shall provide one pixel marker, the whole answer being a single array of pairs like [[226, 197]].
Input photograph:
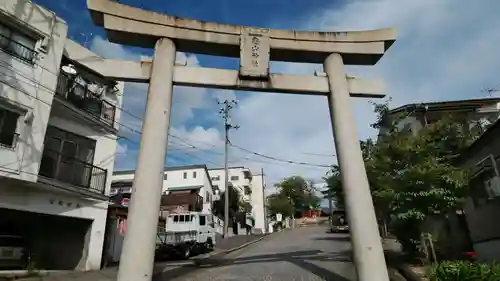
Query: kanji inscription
[[254, 55]]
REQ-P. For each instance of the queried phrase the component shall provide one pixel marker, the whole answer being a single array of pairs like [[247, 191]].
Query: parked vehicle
[[338, 222], [185, 235], [12, 252]]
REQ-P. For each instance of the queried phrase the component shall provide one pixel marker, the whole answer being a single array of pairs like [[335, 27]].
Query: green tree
[[234, 203], [294, 194], [334, 187], [245, 206], [411, 175], [279, 203]]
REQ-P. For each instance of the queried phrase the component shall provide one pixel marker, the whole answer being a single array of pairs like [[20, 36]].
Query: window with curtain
[[17, 43]]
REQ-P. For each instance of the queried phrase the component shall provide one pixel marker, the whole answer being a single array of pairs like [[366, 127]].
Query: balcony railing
[[70, 170], [83, 98], [192, 199], [17, 49]]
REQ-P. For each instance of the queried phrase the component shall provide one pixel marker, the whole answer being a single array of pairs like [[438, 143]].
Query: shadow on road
[[301, 259], [335, 238]]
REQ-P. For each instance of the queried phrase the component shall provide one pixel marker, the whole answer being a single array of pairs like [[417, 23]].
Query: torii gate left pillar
[[255, 47], [137, 257]]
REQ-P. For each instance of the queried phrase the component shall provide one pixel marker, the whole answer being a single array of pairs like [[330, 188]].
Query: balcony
[[84, 97], [190, 201], [17, 49], [62, 168], [247, 174]]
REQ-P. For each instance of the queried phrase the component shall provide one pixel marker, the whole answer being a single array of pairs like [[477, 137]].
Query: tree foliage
[[234, 203], [294, 194], [411, 174]]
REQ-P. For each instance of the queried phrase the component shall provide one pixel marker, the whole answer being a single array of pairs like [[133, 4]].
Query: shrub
[[464, 271]]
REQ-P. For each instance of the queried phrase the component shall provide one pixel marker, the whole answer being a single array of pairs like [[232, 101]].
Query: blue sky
[[444, 51]]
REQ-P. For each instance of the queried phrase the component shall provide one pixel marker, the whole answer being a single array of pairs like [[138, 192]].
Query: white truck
[[185, 235]]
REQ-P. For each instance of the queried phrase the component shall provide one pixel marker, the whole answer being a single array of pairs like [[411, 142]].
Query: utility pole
[[225, 112]]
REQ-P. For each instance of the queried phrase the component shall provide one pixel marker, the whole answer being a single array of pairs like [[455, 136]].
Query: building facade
[[482, 206], [239, 177], [474, 114], [192, 179], [251, 188], [58, 126]]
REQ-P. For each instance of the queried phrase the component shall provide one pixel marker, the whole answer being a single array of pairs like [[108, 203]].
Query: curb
[[402, 268], [406, 272], [199, 263]]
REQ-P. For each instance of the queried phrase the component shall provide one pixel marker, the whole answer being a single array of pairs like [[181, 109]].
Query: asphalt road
[[305, 254]]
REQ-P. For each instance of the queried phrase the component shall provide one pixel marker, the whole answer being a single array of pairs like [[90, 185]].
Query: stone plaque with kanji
[[254, 53]]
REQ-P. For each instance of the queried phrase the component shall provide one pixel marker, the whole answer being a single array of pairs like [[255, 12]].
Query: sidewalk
[[395, 260], [161, 269]]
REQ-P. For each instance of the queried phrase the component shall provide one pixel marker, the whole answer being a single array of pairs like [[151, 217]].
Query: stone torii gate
[[255, 47]]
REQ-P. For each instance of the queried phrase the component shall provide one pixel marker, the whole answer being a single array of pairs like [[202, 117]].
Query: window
[[207, 197], [203, 220], [17, 43], [69, 146], [8, 126], [492, 187], [165, 177], [215, 187], [216, 178], [194, 174], [176, 218], [234, 178], [248, 190], [185, 175], [68, 157]]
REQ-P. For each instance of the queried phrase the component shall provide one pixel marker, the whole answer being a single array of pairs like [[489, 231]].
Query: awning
[[183, 188]]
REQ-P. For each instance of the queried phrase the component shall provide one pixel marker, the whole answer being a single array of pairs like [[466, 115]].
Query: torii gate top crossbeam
[[137, 27]]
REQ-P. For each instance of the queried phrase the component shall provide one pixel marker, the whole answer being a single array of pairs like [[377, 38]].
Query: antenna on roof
[[490, 91]]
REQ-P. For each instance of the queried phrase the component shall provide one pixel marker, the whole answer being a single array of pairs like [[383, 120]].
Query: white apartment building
[[240, 177], [193, 178], [58, 126], [251, 188]]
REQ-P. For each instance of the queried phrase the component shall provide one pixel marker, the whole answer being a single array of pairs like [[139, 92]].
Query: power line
[[278, 159], [225, 111], [319, 154]]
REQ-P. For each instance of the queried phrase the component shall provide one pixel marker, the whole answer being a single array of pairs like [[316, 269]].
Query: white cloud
[[200, 137], [444, 50]]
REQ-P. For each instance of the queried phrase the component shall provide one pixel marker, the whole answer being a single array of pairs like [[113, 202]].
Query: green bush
[[464, 271]]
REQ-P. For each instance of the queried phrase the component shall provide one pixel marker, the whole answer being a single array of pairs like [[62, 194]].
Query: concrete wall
[[35, 199], [482, 214], [258, 202], [29, 87], [207, 190]]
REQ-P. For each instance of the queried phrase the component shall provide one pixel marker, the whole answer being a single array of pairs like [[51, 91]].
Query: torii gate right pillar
[[365, 238]]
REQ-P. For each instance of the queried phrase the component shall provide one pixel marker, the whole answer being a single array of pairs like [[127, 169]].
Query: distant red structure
[[311, 214]]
